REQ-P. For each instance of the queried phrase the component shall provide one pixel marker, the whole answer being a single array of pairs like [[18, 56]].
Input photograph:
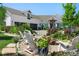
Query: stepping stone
[[8, 50], [11, 45]]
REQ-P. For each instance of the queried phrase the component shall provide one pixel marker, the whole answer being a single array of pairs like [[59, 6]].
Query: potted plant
[[42, 44]]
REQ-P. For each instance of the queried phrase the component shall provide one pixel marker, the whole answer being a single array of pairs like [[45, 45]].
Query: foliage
[[16, 39], [60, 36], [69, 15], [76, 21], [13, 29], [2, 27], [16, 28], [56, 35], [2, 16], [50, 31], [24, 26], [42, 43], [73, 34], [4, 40], [76, 33], [77, 45]]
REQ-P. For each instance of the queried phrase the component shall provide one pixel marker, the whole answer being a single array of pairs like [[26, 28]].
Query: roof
[[18, 15], [46, 18], [15, 12], [42, 17]]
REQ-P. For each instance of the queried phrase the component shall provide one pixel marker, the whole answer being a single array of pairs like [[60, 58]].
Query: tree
[[69, 15], [2, 16], [76, 21]]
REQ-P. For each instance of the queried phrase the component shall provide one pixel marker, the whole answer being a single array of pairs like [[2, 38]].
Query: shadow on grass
[[11, 54], [5, 37]]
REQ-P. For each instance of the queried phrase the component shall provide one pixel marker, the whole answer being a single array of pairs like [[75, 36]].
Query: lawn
[[3, 43], [4, 40]]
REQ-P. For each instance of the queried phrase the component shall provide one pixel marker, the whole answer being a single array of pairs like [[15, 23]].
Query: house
[[14, 16]]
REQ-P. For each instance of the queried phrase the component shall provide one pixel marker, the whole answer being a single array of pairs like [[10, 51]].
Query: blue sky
[[40, 8]]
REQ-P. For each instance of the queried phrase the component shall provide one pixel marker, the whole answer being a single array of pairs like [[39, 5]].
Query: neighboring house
[[14, 16]]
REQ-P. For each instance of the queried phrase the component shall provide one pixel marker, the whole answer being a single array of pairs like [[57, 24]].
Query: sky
[[40, 8]]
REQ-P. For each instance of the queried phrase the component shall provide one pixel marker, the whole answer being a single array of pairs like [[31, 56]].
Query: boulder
[[74, 42]]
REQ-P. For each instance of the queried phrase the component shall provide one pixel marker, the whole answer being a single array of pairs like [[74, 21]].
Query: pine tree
[[69, 15]]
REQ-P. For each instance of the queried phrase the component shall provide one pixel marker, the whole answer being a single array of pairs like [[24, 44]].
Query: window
[[28, 16]]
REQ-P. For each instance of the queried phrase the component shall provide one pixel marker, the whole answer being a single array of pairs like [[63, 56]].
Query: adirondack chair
[[71, 45], [27, 40]]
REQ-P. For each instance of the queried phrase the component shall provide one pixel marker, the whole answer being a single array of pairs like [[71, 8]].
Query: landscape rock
[[11, 45], [74, 41], [8, 50]]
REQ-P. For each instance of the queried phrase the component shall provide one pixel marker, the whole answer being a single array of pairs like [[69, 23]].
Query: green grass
[[3, 43], [5, 40]]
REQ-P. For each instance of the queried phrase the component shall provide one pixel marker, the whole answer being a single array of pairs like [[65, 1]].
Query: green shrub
[[2, 28], [24, 27], [77, 45], [75, 33], [56, 35], [60, 36], [42, 42], [13, 29], [2, 17]]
